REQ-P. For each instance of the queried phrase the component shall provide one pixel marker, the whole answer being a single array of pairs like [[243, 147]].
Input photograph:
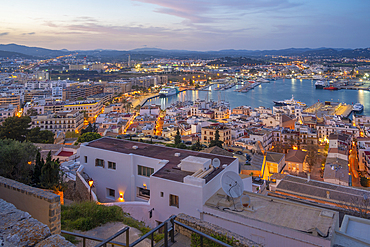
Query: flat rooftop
[[317, 189], [169, 171], [280, 213]]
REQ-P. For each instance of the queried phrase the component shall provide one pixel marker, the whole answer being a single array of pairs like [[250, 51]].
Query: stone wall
[[18, 228], [210, 229], [41, 205]]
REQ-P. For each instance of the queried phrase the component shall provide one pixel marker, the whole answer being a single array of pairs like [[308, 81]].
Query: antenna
[[216, 163], [232, 184]]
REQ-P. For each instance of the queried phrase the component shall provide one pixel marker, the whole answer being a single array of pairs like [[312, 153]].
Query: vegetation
[[312, 157], [17, 128], [88, 215], [196, 146], [88, 137], [47, 174], [195, 240], [36, 135], [216, 141], [89, 128], [15, 160]]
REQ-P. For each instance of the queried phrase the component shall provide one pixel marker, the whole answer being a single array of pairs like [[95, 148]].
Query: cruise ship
[[168, 91], [321, 84], [291, 101], [358, 107]]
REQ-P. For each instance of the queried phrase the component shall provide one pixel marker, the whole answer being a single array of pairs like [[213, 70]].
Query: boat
[[330, 88], [291, 101], [358, 107], [168, 91], [321, 84]]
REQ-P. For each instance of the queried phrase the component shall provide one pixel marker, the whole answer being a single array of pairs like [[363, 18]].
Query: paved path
[[107, 230]]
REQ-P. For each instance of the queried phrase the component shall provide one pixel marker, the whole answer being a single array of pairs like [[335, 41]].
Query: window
[[174, 201], [144, 193], [144, 171], [99, 162], [111, 193], [111, 165], [85, 159], [162, 194]]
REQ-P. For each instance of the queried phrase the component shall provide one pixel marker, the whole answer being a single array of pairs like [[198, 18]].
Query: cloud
[[200, 11], [3, 34], [32, 33]]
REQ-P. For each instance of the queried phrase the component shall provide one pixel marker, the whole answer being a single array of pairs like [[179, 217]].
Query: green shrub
[[88, 215], [195, 240]]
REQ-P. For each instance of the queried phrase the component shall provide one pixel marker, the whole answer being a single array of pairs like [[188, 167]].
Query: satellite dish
[[232, 184], [216, 163]]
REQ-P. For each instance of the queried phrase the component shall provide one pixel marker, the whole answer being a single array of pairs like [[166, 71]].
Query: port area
[[330, 108], [352, 85]]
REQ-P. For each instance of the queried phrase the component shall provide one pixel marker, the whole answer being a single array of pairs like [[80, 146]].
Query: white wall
[[124, 179]]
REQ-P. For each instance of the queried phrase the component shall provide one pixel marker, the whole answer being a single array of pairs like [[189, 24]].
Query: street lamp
[[91, 182]]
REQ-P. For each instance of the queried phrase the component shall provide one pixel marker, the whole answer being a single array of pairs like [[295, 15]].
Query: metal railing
[[169, 235], [104, 242]]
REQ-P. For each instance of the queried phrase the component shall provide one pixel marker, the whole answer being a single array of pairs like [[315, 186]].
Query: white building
[[130, 171]]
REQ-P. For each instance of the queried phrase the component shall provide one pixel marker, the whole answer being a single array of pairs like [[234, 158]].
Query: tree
[[15, 128], [31, 112], [37, 169], [312, 155], [197, 146], [43, 136], [15, 160], [51, 176], [278, 147], [89, 128], [128, 106], [88, 137], [216, 141], [177, 138]]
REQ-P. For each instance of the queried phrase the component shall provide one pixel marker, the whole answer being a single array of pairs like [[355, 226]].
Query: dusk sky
[[191, 25]]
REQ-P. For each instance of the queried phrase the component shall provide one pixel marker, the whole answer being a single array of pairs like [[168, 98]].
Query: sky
[[199, 25]]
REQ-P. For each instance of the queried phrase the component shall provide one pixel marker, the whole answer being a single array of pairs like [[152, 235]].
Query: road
[[353, 166]]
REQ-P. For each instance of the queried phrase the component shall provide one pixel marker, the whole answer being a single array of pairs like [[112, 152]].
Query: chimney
[[309, 177], [327, 194]]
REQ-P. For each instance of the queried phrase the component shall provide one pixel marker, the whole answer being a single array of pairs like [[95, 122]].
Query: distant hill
[[14, 55], [33, 51], [148, 53]]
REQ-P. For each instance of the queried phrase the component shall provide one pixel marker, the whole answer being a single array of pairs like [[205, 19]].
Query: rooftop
[[297, 156], [318, 189], [281, 213], [170, 170]]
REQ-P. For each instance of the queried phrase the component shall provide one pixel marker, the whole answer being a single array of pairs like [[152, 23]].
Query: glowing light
[[121, 197]]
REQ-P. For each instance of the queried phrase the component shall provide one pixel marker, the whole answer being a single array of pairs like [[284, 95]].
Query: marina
[[265, 93]]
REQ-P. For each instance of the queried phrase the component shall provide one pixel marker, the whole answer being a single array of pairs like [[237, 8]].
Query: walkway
[[109, 229]]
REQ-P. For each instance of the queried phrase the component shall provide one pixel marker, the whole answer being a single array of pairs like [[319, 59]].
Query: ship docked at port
[[291, 101], [168, 91]]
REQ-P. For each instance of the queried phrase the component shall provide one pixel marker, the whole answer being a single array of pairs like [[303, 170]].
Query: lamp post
[[91, 182]]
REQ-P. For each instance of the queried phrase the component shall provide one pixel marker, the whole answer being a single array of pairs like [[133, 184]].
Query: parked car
[[239, 152]]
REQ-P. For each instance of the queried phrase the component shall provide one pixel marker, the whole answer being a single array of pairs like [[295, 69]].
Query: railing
[[169, 235], [104, 242]]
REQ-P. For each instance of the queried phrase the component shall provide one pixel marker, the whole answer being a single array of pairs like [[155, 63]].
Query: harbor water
[[264, 94]]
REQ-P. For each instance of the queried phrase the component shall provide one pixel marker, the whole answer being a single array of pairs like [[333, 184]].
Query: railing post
[[201, 241], [84, 242], [172, 232], [165, 234], [128, 238], [152, 239]]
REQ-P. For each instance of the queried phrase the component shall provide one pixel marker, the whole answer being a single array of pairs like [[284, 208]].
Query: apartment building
[[91, 108], [63, 121], [208, 134], [81, 91]]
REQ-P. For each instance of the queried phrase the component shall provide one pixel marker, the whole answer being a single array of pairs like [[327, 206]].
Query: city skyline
[[190, 25]]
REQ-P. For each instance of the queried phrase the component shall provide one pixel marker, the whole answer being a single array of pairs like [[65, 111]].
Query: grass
[[88, 215]]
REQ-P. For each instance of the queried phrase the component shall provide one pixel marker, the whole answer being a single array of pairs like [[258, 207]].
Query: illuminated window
[[99, 162], [111, 165], [144, 171], [174, 201]]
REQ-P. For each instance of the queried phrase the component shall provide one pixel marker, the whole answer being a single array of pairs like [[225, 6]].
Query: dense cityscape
[[185, 124]]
